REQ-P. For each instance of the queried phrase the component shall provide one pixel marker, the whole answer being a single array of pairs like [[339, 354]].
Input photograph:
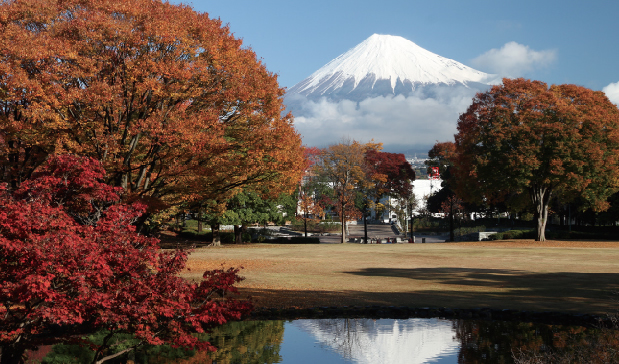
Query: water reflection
[[524, 343], [384, 341], [362, 341], [247, 342]]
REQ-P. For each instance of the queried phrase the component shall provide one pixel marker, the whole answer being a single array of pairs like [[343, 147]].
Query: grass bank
[[565, 276]]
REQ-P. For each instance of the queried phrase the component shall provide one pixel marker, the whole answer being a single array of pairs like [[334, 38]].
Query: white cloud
[[414, 122], [612, 92], [514, 60]]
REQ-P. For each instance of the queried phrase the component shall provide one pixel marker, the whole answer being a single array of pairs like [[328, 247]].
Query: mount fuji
[[385, 65], [386, 82]]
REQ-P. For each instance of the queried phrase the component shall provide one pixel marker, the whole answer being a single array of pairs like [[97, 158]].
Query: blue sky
[[554, 41], [295, 38]]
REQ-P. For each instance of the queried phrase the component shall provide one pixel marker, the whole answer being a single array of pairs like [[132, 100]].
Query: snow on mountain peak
[[392, 60]]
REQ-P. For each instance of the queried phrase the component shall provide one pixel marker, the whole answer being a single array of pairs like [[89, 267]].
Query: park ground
[[563, 276]]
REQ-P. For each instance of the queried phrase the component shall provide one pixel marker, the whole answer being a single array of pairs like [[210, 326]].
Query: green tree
[[524, 137], [249, 207]]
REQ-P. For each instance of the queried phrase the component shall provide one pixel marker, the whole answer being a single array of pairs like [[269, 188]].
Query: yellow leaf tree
[[343, 165]]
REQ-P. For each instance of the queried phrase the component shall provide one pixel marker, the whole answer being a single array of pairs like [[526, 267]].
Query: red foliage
[[70, 258], [391, 172], [451, 206], [310, 156]]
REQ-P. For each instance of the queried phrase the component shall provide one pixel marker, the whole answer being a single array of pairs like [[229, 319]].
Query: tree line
[[351, 178], [527, 146]]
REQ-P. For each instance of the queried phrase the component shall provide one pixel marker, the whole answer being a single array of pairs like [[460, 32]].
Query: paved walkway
[[431, 238], [381, 231]]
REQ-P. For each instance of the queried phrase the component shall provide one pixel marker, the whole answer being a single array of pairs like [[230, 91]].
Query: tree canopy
[[165, 97], [391, 172], [343, 166], [524, 137]]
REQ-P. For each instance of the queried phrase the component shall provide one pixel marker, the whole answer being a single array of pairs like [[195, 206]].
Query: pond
[[361, 341]]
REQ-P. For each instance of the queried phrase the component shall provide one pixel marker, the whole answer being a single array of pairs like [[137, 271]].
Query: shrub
[[321, 227], [513, 234], [295, 240]]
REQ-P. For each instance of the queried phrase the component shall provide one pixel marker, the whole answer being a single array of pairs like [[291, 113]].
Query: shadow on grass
[[512, 284], [181, 242], [467, 288]]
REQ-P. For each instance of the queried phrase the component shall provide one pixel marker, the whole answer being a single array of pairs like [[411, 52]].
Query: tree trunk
[[343, 220], [10, 354], [541, 198], [238, 234], [199, 221], [451, 223], [410, 211], [365, 228], [305, 225], [216, 237]]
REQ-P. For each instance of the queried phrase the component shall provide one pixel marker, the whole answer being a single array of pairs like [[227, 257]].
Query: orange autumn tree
[[311, 209], [524, 137], [387, 174], [343, 166], [165, 97]]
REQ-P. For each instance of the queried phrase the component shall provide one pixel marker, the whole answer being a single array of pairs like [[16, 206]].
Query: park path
[[381, 231]]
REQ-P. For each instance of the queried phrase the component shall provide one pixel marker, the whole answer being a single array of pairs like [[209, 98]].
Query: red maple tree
[[392, 172], [71, 263]]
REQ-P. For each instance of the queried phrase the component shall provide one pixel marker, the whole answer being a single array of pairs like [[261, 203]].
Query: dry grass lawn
[[551, 276]]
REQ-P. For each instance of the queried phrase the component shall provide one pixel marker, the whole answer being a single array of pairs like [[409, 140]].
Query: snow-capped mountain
[[366, 341], [385, 65], [388, 89]]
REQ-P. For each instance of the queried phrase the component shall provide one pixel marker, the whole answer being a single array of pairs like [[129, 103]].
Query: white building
[[424, 188]]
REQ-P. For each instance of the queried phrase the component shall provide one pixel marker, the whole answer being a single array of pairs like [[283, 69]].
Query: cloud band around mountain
[[391, 90], [401, 123]]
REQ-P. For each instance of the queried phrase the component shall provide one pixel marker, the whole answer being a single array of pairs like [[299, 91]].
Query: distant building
[[422, 189]]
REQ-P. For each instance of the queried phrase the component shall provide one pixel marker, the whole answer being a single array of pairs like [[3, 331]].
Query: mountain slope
[[385, 65], [388, 89]]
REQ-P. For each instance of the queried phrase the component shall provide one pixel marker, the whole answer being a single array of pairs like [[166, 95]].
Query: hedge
[[295, 240]]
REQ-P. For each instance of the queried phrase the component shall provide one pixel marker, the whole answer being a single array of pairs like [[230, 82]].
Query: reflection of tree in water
[[78, 354], [598, 346], [492, 341], [345, 333], [245, 342], [527, 343]]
